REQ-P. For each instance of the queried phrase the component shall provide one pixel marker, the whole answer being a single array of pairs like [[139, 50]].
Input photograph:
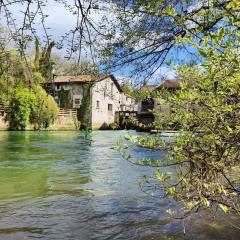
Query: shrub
[[23, 102], [46, 112]]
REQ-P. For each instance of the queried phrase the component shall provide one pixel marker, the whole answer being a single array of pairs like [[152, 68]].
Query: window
[[110, 108], [98, 104], [58, 86], [66, 87], [76, 101], [96, 88], [105, 90]]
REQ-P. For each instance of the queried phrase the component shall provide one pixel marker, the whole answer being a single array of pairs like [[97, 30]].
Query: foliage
[[205, 154], [84, 112], [23, 102], [46, 112], [64, 98], [31, 106], [12, 70], [43, 63], [76, 122], [148, 34], [129, 89], [114, 126], [72, 67], [28, 101], [144, 33]]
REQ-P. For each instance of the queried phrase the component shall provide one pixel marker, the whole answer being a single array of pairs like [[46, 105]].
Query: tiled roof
[[80, 78], [149, 88], [85, 79], [171, 84]]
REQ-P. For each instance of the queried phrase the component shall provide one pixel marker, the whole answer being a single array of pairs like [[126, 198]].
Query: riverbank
[[60, 124]]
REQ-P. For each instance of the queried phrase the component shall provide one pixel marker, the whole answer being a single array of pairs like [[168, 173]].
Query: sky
[[60, 21]]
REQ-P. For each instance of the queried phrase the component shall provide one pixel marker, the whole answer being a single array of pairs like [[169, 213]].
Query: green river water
[[69, 185]]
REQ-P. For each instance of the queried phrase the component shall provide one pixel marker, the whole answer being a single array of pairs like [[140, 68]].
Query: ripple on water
[[71, 185]]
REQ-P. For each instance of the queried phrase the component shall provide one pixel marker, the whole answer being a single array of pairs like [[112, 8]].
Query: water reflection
[[71, 185], [34, 164]]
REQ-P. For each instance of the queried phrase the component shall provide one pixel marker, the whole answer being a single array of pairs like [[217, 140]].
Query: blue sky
[[61, 21]]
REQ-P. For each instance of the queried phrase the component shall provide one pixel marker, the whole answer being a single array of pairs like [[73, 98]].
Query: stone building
[[148, 105], [96, 98]]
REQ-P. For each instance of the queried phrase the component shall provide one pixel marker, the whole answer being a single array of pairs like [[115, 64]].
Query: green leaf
[[127, 137], [224, 208], [205, 202], [202, 53], [170, 212]]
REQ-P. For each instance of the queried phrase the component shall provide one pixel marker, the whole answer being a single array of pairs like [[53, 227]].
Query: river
[[71, 185]]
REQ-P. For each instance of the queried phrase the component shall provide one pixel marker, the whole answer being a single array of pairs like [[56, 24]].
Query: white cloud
[[165, 72]]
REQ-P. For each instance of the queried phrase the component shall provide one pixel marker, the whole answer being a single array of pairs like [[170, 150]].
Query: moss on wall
[[65, 98], [84, 113], [85, 110]]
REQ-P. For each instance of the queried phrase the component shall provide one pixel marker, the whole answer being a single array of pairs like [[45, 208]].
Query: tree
[[28, 101], [205, 153], [46, 111], [22, 103], [143, 34], [42, 61], [128, 88], [63, 66]]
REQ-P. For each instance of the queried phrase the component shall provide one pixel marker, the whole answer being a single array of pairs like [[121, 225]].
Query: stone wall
[[66, 94], [61, 123], [65, 123], [105, 93], [4, 126]]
